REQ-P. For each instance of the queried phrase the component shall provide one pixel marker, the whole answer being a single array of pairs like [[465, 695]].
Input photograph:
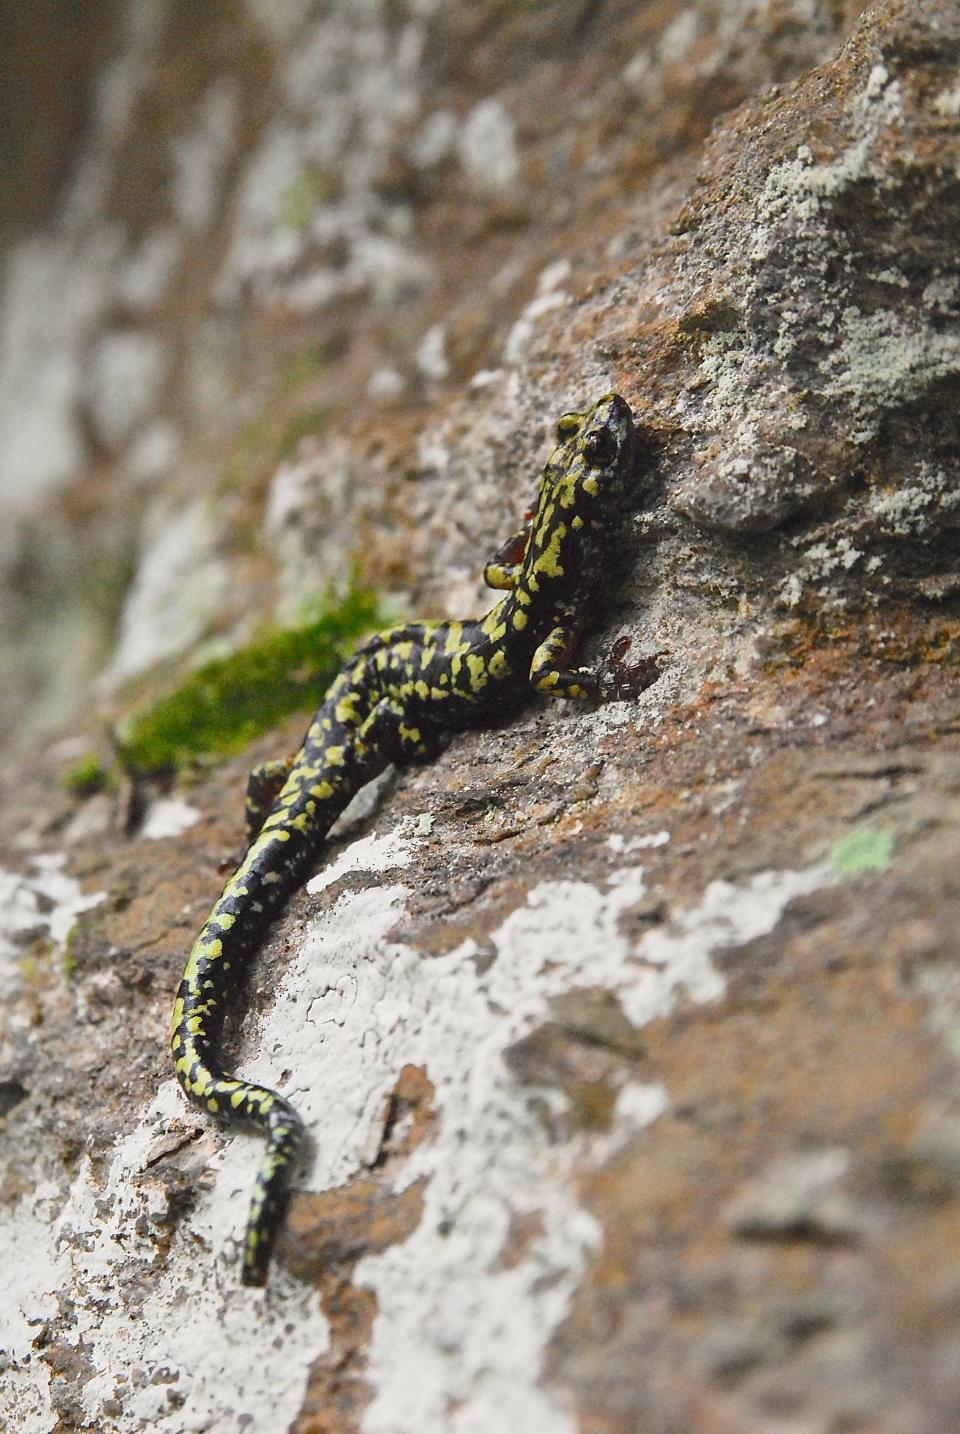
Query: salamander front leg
[[616, 682], [263, 788], [503, 569], [622, 680], [550, 671]]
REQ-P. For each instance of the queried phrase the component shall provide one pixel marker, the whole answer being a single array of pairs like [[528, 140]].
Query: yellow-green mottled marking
[[394, 701]]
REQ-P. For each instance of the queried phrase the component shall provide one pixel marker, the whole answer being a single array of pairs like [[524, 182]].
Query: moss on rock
[[218, 709]]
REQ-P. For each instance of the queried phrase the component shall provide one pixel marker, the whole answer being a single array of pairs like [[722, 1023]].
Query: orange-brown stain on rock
[[325, 1236], [820, 1051]]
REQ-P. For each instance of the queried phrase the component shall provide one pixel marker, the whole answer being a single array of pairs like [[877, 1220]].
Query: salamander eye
[[568, 426], [599, 448]]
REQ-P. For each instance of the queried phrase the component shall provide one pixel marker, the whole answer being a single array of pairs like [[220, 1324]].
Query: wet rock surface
[[627, 1039]]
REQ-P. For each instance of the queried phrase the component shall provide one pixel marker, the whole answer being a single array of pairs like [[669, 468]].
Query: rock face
[[627, 1038]]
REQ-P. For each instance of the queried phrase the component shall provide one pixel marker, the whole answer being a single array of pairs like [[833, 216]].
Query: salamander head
[[594, 456], [581, 499]]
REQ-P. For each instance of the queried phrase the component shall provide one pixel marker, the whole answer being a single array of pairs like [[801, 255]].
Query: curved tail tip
[[258, 1248], [254, 1275]]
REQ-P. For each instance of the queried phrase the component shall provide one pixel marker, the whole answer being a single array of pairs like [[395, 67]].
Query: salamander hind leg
[[503, 569], [390, 734], [550, 673], [263, 788]]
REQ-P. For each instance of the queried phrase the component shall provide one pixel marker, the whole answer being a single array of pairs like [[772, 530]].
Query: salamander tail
[[271, 1189]]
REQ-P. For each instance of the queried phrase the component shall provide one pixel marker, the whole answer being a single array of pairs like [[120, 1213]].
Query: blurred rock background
[[227, 227]]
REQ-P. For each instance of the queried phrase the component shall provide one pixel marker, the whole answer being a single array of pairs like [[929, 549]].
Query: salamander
[[395, 701]]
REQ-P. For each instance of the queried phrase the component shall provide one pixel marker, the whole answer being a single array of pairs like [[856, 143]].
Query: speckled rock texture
[[627, 1038]]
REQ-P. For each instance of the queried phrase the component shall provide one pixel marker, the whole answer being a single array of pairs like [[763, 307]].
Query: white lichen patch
[[431, 356], [44, 902], [309, 495], [802, 1190], [201, 1352], [350, 88], [169, 817], [907, 509], [434, 140], [487, 147], [146, 270], [153, 452], [457, 1327], [550, 295], [50, 296], [200, 156], [796, 189], [947, 102], [624, 845], [370, 854], [31, 1277], [678, 37], [791, 590], [455, 1331], [883, 362], [123, 383], [640, 1103], [722, 365], [385, 384], [179, 586], [823, 558]]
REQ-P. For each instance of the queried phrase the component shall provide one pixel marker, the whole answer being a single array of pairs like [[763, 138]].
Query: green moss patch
[[222, 706], [87, 777], [863, 849]]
